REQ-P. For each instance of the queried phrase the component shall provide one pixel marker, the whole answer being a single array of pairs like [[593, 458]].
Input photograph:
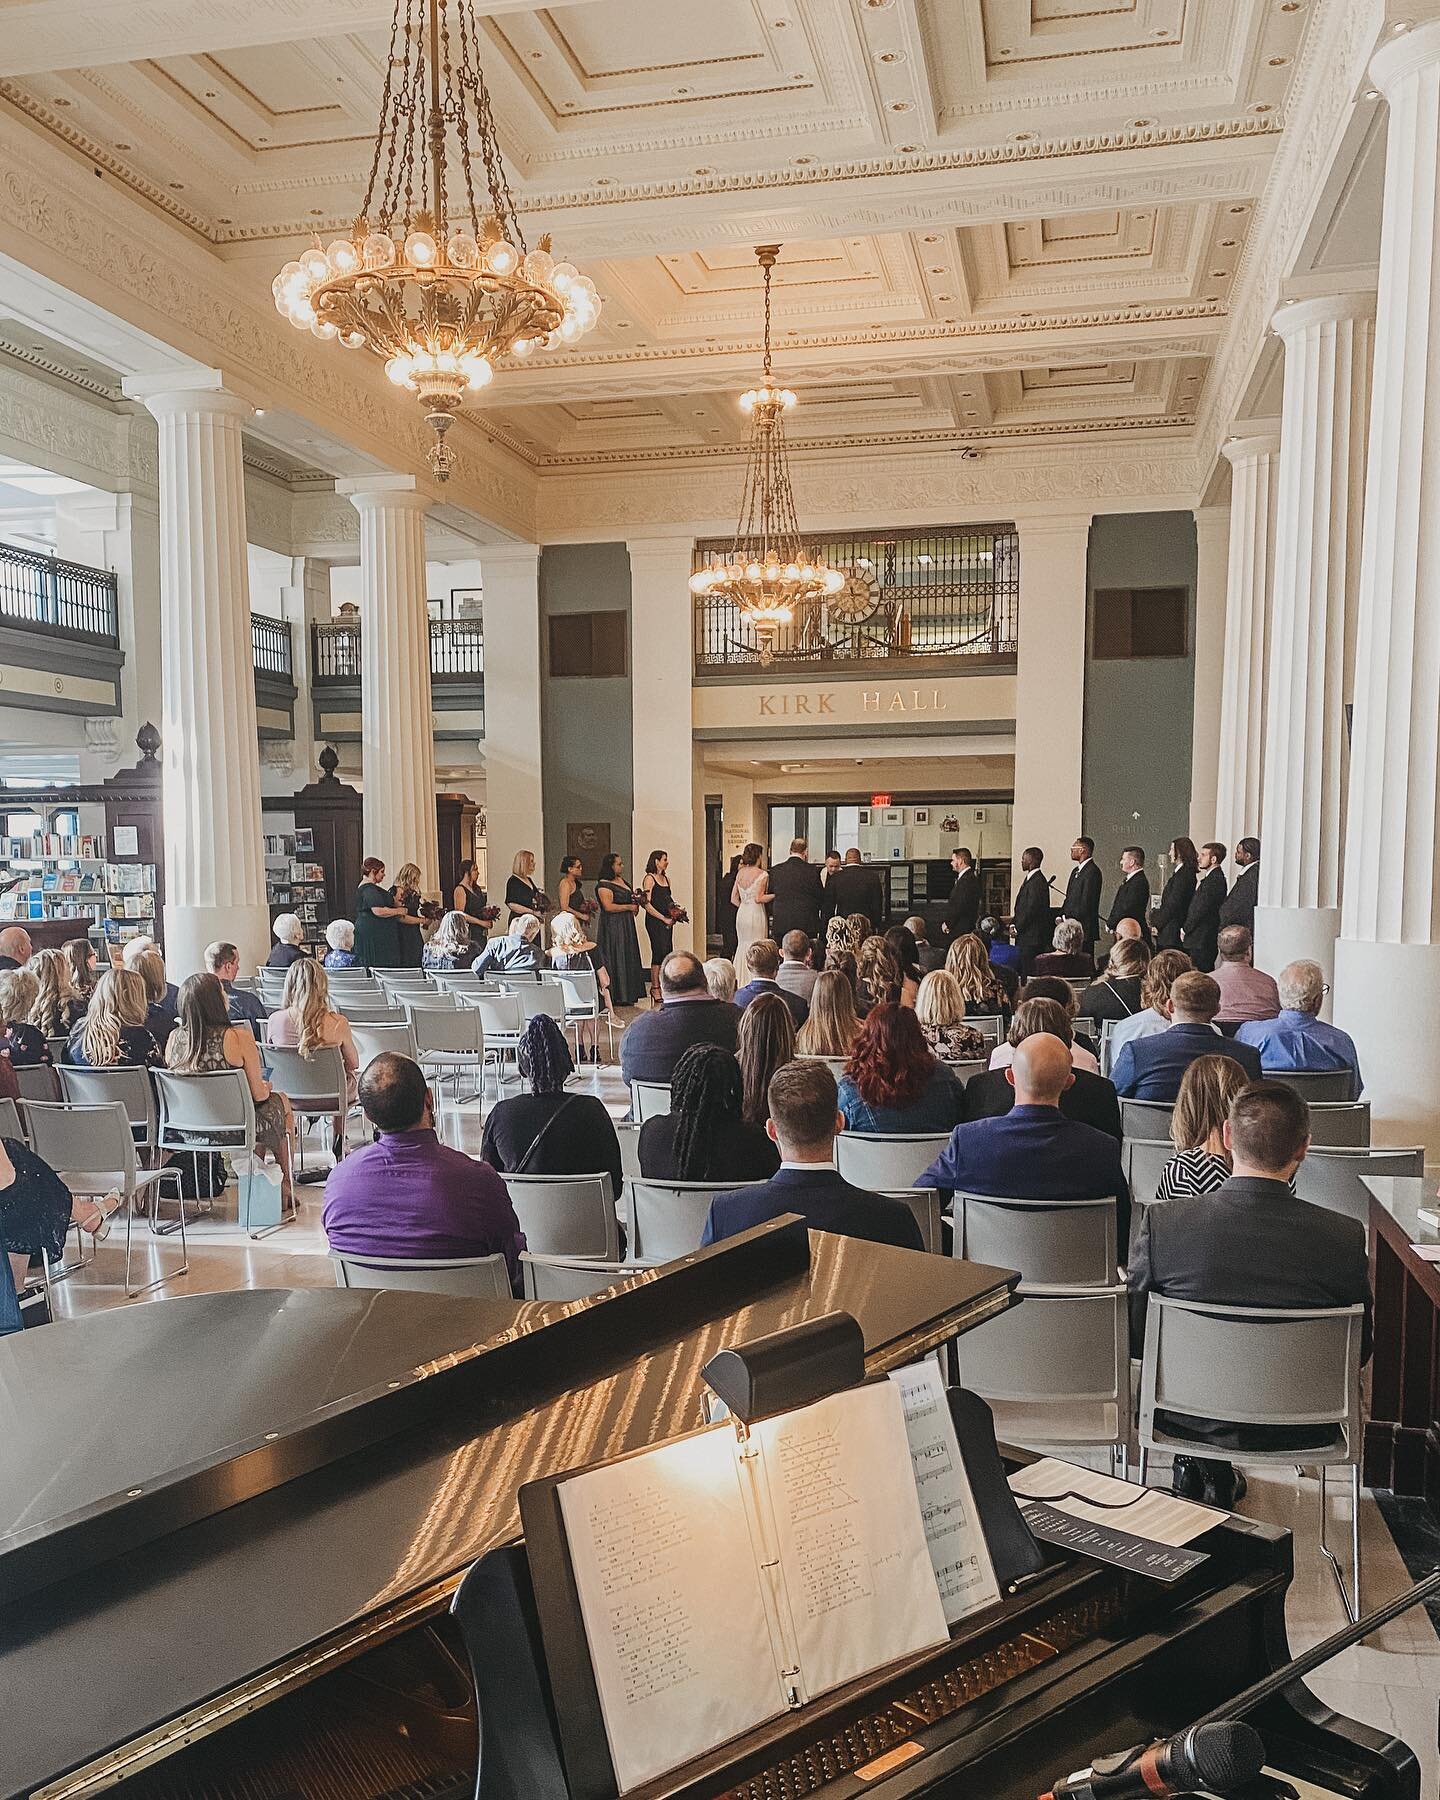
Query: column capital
[[1405, 54], [1252, 439], [377, 492], [662, 546], [1296, 316], [201, 391], [508, 556], [1054, 524]]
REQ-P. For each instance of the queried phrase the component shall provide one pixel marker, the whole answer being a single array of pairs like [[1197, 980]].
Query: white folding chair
[[11, 1125], [450, 1040], [212, 1113], [581, 991], [649, 1100], [990, 1026], [132, 1087], [38, 1081], [1257, 1366], [501, 1022], [1316, 1084], [1335, 1178], [1146, 1119], [479, 1277], [882, 1161], [666, 1219], [1053, 1243], [925, 1204], [92, 1150], [370, 1012], [315, 1085], [377, 1040], [1339, 1124], [566, 1215], [537, 997], [1144, 1162], [569, 1277]]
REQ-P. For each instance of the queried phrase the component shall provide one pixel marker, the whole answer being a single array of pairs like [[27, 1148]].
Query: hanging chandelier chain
[[386, 105], [461, 113], [768, 272]]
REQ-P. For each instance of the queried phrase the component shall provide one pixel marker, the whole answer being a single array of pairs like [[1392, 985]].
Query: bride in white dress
[[749, 895]]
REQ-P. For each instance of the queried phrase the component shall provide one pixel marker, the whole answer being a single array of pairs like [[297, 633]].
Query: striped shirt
[[1190, 1173]]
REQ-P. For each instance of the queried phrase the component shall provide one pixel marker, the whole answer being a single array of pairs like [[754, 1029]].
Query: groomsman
[[1239, 907], [1132, 897], [1202, 922], [1032, 917], [962, 910], [827, 897], [1082, 892]]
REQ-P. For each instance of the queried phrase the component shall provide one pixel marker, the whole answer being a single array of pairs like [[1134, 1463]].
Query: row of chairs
[[1332, 1122]]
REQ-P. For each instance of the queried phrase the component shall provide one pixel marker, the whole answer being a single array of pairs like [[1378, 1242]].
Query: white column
[[214, 867], [397, 733], [661, 683], [514, 810], [1254, 459], [1387, 963], [1328, 346], [1050, 686], [1212, 552]]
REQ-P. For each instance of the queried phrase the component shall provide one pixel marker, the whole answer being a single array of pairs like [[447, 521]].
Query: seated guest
[[547, 1131], [999, 944], [932, 956], [161, 997], [720, 978], [1054, 988], [1297, 1038], [841, 962], [574, 952], [206, 1041], [1197, 1128], [1249, 1243], [1089, 1100], [804, 1123], [1155, 985], [1116, 992], [340, 936], [841, 934], [762, 967], [306, 1021], [57, 1005], [1246, 992], [797, 973], [940, 1008], [113, 1033], [1034, 1152], [832, 1027], [688, 1014], [37, 1211], [879, 981], [407, 1194], [15, 947], [764, 1043], [133, 956], [517, 953], [450, 947], [1069, 957], [289, 945], [907, 959], [894, 1083], [1152, 1068], [223, 962], [84, 965], [982, 984], [705, 1136]]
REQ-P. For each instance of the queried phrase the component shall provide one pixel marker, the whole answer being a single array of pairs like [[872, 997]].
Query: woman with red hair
[[893, 1083]]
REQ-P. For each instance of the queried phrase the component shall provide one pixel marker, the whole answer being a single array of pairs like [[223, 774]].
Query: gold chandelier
[[435, 276], [769, 575]]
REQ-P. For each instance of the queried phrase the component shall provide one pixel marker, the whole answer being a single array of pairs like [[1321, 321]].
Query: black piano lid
[[106, 1656]]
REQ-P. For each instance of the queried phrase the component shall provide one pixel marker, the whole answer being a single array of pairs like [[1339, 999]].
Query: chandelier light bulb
[[421, 249], [502, 258], [316, 266], [538, 265], [342, 257], [353, 340], [752, 571], [834, 581], [699, 581], [462, 249], [398, 369], [571, 328], [302, 313], [523, 347], [562, 276], [478, 371], [322, 328], [379, 250]]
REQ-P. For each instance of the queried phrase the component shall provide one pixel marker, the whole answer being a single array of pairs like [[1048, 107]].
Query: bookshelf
[[295, 882], [50, 880]]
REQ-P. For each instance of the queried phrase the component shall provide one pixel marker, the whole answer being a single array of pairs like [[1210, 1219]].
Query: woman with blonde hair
[[833, 1025], [841, 937], [940, 1008], [879, 980], [306, 1021], [1197, 1128], [205, 1042], [149, 965], [521, 893], [57, 1005], [1115, 994], [113, 1034], [21, 1041], [968, 960], [84, 969], [406, 893]]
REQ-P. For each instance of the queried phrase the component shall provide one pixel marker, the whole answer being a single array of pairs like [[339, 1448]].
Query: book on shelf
[[730, 1576]]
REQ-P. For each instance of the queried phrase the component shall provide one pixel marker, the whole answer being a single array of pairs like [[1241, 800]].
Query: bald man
[[14, 947], [1034, 1152], [1128, 928]]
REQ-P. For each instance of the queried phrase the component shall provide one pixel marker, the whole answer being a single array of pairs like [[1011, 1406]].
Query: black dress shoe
[[1187, 1479], [1225, 1486]]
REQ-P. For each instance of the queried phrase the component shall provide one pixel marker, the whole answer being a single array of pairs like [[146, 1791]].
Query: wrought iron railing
[[55, 596], [927, 594], [270, 645], [457, 651]]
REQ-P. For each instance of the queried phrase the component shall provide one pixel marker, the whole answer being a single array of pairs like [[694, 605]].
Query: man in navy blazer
[[805, 1118], [762, 965], [1152, 1068], [1034, 1152]]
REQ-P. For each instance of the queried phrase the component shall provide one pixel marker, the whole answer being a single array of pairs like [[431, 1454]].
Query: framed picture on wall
[[590, 843], [465, 603], [921, 815], [894, 815]]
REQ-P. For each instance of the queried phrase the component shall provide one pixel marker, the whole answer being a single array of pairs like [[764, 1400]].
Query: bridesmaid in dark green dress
[[377, 919], [619, 946]]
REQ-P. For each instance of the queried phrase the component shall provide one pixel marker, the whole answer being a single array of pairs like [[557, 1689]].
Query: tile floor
[[1391, 1682]]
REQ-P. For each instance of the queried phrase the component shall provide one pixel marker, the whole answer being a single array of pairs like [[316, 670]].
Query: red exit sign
[[881, 799]]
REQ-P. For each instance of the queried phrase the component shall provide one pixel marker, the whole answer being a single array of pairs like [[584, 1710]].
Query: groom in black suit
[[795, 883]]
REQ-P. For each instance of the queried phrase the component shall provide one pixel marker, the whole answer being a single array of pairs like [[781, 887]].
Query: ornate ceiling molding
[[36, 359]]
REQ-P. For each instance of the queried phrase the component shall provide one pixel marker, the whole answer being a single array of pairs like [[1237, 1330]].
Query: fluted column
[[1050, 687], [1387, 965], [214, 865], [1254, 458], [514, 807], [1328, 348], [666, 816], [1212, 561], [397, 731]]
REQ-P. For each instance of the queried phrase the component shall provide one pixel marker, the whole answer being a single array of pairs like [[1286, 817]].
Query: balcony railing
[[64, 598], [271, 647], [457, 652], [907, 597]]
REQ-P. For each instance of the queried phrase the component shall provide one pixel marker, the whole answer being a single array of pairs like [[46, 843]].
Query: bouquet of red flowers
[[677, 915], [583, 909], [542, 903], [489, 914], [431, 911]]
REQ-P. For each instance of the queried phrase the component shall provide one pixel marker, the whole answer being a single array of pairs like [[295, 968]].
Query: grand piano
[[232, 1527]]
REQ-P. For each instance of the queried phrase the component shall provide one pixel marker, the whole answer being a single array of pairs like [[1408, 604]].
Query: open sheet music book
[[721, 1582]]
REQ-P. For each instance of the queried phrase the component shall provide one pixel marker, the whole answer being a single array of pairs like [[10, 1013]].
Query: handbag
[[540, 1135]]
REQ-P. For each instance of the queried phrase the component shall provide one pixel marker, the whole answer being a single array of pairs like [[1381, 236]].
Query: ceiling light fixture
[[769, 575], [437, 281]]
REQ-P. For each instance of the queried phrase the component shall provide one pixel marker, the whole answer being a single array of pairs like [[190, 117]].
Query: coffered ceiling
[[1001, 219]]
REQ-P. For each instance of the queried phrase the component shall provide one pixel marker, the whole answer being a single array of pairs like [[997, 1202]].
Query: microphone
[[1215, 1759]]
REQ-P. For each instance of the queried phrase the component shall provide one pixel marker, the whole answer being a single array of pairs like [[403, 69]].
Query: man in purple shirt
[[408, 1195], [1245, 992]]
